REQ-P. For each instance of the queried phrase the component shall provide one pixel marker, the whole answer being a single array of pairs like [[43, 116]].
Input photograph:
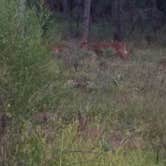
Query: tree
[[117, 19], [65, 7], [86, 19]]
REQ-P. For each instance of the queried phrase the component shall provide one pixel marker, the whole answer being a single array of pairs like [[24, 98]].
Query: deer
[[118, 47]]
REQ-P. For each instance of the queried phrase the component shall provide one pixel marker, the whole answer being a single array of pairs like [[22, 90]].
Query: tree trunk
[[86, 19], [117, 21], [154, 3], [65, 7]]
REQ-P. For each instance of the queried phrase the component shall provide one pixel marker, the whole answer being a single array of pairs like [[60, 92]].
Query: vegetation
[[62, 105]]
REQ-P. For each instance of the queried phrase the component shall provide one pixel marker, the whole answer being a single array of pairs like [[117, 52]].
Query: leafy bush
[[28, 74], [30, 81]]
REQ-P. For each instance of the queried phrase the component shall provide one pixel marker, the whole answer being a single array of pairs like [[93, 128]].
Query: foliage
[[36, 146], [27, 68], [126, 100]]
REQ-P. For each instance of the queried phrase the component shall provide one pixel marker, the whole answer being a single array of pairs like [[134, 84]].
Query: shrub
[[27, 73]]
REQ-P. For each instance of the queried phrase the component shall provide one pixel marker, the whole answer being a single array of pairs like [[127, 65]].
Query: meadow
[[105, 112]]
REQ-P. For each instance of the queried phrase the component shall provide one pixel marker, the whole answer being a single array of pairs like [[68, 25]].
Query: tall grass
[[27, 69], [65, 148], [126, 100], [30, 81]]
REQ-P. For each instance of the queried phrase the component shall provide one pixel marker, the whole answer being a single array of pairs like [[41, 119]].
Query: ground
[[113, 111]]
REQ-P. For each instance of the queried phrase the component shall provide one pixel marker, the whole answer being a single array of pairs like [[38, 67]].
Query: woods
[[125, 16], [82, 82]]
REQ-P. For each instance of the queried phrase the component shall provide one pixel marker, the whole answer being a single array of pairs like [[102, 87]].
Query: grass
[[41, 146], [130, 113], [108, 112]]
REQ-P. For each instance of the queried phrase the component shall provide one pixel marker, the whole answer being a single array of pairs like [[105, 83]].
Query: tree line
[[125, 16]]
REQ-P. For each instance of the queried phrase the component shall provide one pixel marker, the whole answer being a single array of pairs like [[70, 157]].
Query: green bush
[[28, 73]]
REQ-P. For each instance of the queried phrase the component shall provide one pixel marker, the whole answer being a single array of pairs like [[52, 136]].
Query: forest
[[82, 82]]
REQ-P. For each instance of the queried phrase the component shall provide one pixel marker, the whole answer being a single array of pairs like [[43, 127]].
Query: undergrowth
[[122, 103]]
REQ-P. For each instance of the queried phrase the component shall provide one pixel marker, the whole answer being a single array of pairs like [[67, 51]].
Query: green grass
[[39, 146], [123, 102]]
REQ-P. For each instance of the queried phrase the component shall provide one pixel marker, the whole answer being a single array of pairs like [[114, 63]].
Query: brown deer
[[118, 47]]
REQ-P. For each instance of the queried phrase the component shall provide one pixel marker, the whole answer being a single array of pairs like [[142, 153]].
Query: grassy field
[[74, 107]]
